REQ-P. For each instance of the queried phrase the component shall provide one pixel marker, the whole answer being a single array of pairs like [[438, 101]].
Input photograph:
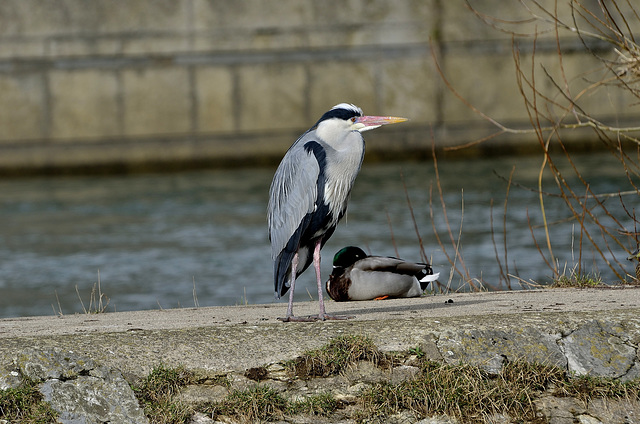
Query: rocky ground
[[84, 365]]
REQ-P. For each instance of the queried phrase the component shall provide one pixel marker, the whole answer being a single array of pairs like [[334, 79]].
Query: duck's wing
[[389, 264], [423, 272]]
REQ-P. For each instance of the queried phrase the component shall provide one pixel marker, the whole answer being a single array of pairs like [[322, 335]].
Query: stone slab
[[475, 327]]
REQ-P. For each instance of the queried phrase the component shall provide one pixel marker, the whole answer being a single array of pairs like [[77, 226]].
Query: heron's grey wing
[[293, 194], [389, 264]]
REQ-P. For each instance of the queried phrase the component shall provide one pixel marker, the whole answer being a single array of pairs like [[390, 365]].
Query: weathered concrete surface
[[79, 359], [589, 331]]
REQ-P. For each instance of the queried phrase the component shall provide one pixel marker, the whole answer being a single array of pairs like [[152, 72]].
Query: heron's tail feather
[[281, 272]]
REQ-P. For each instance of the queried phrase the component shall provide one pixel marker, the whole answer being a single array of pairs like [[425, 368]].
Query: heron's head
[[346, 117]]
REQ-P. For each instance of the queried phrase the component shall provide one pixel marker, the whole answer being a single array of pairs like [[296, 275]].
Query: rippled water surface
[[154, 238]]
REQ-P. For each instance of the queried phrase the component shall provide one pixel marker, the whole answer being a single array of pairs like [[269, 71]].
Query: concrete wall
[[134, 83]]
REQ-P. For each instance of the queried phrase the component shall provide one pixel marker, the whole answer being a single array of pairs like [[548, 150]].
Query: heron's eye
[[353, 119]]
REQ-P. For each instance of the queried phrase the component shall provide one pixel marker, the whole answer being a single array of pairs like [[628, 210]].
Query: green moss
[[25, 404]]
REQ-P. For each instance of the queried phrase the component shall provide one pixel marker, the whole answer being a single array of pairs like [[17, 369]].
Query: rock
[[197, 393], [440, 419], [200, 418], [404, 417], [44, 364], [479, 346], [365, 372], [9, 378], [613, 411], [79, 389], [632, 374], [494, 365], [596, 350], [588, 419], [91, 399], [240, 382], [559, 410], [404, 373], [319, 385]]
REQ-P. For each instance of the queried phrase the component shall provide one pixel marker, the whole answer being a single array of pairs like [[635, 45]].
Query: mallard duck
[[636, 255], [357, 276]]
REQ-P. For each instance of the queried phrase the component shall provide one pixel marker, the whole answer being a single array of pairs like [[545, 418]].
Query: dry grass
[[156, 395], [463, 391], [558, 99], [258, 403], [471, 394], [335, 357], [574, 279], [25, 404]]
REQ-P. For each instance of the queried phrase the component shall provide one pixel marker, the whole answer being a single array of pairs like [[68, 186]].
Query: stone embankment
[[162, 84], [92, 357]]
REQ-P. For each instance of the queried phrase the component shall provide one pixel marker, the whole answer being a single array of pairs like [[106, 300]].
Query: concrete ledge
[[594, 331]]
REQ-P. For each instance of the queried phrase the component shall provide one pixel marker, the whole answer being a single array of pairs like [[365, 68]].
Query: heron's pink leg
[[322, 315], [316, 265], [294, 269]]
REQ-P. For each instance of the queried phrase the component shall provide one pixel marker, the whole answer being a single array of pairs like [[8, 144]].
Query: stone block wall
[[120, 83]]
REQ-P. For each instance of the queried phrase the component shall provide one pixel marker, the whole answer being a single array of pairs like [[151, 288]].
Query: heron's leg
[[294, 269], [322, 315], [316, 264], [290, 317]]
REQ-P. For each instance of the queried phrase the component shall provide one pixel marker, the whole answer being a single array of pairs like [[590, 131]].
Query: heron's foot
[[314, 318], [382, 297]]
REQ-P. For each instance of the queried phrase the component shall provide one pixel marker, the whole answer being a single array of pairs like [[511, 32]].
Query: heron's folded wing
[[292, 195]]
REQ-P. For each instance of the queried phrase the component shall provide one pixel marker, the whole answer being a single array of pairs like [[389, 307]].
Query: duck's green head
[[634, 255], [347, 256]]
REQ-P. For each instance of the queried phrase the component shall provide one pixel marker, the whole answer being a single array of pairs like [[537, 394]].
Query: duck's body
[[636, 255], [357, 276]]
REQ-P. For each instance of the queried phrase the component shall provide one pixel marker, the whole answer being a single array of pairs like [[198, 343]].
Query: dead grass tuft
[[156, 395], [335, 357], [471, 394], [257, 404], [25, 404]]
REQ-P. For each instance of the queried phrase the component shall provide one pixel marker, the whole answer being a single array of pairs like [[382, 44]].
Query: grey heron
[[309, 195], [357, 276]]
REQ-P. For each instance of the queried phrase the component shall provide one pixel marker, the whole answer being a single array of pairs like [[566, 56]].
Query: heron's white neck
[[344, 159], [333, 132]]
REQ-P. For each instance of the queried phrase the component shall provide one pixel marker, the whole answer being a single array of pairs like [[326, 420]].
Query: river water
[[200, 238]]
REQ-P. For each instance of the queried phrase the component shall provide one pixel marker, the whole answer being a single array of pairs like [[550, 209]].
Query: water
[[152, 239]]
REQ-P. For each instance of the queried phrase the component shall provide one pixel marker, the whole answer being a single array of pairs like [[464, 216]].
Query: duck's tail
[[427, 276]]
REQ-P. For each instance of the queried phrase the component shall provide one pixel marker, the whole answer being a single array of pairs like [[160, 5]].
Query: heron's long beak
[[366, 123]]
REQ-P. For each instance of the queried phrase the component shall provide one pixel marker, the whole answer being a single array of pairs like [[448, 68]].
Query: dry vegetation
[[458, 390], [566, 102]]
